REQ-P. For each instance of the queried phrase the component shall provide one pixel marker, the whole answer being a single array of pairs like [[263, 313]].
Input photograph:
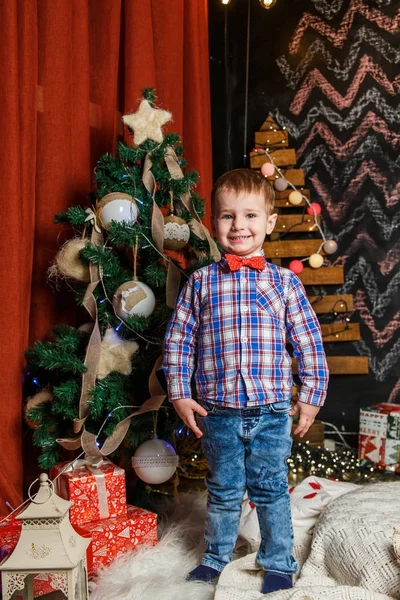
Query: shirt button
[[245, 308], [245, 339]]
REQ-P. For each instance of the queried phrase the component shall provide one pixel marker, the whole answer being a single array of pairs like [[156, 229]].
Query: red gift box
[[111, 537], [379, 435], [10, 530], [96, 492], [42, 585]]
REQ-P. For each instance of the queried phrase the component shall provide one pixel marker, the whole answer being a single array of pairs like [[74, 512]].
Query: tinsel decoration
[[340, 465]]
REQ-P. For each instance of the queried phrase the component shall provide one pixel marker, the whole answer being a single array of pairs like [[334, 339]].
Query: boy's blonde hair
[[243, 180]]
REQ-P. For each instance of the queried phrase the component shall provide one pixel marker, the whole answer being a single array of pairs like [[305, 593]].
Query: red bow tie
[[235, 262]]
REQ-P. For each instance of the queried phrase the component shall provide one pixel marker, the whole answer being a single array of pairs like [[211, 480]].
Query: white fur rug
[[159, 572]]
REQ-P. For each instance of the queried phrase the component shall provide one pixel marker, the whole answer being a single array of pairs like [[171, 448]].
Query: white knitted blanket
[[351, 556]]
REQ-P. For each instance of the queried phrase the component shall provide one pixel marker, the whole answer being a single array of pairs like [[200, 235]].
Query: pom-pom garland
[[295, 198]]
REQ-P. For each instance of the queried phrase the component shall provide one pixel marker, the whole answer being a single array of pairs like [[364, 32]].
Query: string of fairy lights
[[267, 4], [310, 216], [295, 198]]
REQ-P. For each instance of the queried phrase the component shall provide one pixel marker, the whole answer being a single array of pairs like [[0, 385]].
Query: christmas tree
[[101, 383]]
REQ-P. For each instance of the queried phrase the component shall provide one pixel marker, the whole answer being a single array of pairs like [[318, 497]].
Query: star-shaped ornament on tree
[[146, 123], [115, 355]]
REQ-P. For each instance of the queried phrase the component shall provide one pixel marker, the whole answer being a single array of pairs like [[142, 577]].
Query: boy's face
[[241, 222]]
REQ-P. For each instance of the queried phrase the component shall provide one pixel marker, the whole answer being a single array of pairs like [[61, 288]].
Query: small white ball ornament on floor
[[176, 233], [134, 298], [117, 206], [155, 461]]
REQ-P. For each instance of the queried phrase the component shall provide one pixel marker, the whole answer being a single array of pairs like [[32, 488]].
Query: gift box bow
[[92, 464]]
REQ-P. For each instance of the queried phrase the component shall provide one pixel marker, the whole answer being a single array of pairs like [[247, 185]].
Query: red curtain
[[71, 69]]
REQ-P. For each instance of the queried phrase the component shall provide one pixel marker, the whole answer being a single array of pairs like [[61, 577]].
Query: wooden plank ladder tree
[[297, 237]]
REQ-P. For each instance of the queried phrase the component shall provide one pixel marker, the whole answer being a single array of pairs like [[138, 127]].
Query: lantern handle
[[44, 482]]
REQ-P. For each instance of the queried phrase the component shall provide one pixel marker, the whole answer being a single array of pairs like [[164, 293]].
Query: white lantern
[[155, 461], [48, 544], [117, 206]]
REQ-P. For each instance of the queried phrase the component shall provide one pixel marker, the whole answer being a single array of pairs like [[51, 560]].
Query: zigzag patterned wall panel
[[342, 65]]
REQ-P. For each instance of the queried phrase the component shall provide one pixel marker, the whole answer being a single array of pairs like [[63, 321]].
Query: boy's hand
[[186, 407], [308, 412]]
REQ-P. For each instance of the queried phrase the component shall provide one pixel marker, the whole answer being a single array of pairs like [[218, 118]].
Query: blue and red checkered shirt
[[230, 330]]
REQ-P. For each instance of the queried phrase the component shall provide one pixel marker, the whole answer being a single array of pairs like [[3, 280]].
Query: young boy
[[229, 330]]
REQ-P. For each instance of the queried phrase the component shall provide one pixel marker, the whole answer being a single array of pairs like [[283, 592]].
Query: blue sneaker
[[274, 581], [203, 573]]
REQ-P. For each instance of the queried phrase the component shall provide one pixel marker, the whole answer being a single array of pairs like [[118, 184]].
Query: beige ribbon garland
[[92, 352], [157, 218], [157, 233], [172, 285], [172, 162], [89, 440], [157, 221]]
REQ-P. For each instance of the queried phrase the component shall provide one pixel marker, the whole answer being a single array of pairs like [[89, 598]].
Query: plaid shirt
[[230, 330]]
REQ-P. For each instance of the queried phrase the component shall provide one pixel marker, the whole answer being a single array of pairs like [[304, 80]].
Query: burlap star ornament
[[146, 123], [115, 355]]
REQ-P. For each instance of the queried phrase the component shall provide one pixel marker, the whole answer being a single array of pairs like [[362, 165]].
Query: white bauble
[[155, 461], [176, 233], [134, 298], [117, 206]]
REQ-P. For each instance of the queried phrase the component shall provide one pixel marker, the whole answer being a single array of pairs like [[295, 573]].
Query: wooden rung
[[343, 365], [314, 436], [282, 158], [340, 332], [271, 138], [332, 303], [295, 223], [281, 199], [291, 249], [283, 195], [269, 124], [286, 204], [322, 276], [295, 176]]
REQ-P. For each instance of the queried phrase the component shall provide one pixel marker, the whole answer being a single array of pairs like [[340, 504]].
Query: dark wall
[[329, 73]]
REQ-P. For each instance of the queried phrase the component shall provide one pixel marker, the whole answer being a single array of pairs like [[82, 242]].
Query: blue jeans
[[246, 449]]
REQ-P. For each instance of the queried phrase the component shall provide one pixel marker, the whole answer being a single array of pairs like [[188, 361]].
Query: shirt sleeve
[[181, 342], [304, 333]]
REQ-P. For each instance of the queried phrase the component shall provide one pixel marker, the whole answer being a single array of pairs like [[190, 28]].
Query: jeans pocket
[[280, 408], [210, 408]]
